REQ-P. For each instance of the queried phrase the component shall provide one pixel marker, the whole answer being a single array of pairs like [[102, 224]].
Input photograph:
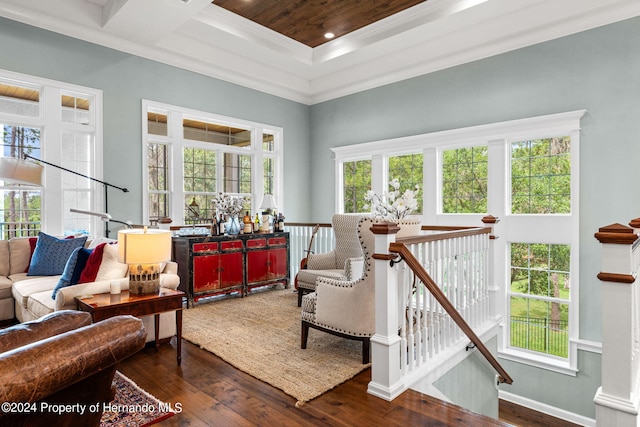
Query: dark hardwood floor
[[213, 393]]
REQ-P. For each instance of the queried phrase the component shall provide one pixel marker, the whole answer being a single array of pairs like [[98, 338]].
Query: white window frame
[[52, 127], [558, 229], [176, 143]]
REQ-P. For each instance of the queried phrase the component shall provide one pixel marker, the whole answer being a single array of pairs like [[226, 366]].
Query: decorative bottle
[[214, 226], [256, 224], [248, 227], [280, 222]]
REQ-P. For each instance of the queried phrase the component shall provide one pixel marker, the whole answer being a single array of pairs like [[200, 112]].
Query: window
[[191, 156], [539, 298], [464, 180], [357, 181], [525, 172], [65, 133], [408, 170]]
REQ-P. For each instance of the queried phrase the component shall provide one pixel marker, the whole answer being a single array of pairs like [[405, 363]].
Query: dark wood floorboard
[[213, 393]]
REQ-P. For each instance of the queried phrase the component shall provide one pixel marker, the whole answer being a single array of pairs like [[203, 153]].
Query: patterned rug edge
[[130, 395]]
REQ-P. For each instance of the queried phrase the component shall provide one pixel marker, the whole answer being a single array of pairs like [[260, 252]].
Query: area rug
[[260, 335], [132, 406]]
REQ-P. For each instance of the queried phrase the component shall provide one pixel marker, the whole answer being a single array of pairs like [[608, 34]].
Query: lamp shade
[[268, 202], [21, 171], [143, 246]]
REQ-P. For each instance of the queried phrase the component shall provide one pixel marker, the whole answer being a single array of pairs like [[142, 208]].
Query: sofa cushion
[[51, 254], [4, 255], [40, 304], [5, 287], [23, 289], [19, 253]]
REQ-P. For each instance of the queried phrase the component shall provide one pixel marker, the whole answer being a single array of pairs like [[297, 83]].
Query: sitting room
[[178, 178]]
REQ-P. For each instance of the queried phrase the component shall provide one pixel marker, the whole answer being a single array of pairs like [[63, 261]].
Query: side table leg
[[179, 334], [156, 324]]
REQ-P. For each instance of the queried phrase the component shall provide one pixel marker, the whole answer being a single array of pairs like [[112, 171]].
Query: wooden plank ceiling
[[307, 21]]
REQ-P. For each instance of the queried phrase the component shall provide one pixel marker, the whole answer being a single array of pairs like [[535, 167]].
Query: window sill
[[550, 363]]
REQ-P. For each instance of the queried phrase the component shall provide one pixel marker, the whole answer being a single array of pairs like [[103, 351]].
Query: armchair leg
[[305, 335], [300, 294], [366, 357]]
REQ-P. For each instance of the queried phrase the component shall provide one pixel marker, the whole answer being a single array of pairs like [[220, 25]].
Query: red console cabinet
[[214, 265]]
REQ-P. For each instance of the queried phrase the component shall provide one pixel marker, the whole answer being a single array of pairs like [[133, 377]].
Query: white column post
[[617, 401], [386, 380]]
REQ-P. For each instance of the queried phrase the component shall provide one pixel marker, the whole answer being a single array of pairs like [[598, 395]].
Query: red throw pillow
[[90, 271], [32, 243]]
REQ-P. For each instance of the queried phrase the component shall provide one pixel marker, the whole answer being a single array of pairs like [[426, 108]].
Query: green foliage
[[541, 176], [357, 181], [464, 180], [407, 170]]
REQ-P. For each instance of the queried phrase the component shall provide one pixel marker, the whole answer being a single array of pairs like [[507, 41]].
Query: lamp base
[[144, 279]]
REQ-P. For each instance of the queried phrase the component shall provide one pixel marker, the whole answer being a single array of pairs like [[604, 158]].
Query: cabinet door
[[257, 266], [231, 269], [206, 275], [277, 263]]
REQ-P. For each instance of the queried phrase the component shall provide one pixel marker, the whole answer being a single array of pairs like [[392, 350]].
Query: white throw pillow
[[110, 268]]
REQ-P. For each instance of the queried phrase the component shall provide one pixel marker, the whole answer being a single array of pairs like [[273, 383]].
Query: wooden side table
[[103, 306]]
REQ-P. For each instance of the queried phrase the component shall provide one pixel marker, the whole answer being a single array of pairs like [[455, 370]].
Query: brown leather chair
[[64, 359]]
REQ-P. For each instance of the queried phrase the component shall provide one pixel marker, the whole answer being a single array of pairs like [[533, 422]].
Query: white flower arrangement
[[389, 205], [228, 204]]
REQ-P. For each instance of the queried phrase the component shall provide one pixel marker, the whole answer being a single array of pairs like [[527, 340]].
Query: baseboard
[[547, 409]]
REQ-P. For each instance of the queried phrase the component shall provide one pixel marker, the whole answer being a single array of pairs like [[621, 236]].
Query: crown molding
[[429, 37]]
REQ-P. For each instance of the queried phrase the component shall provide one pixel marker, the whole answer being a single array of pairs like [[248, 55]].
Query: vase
[[409, 226], [233, 225]]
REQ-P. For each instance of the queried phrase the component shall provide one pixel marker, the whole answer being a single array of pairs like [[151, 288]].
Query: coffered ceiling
[[210, 39], [314, 22]]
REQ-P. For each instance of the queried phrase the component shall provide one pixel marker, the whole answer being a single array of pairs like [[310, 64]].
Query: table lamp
[[144, 251], [268, 205]]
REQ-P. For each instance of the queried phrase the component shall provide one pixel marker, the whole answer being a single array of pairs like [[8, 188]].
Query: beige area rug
[[260, 335]]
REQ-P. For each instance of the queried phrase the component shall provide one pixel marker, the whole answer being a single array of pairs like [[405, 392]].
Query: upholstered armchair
[[344, 262], [345, 307], [63, 359]]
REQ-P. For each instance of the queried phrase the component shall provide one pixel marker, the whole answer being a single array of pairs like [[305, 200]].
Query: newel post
[[386, 381], [617, 401]]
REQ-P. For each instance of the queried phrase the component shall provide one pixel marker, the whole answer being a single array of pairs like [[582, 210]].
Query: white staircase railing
[[431, 305]]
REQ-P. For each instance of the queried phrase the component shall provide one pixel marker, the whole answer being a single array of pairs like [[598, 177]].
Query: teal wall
[[472, 383], [597, 70], [126, 79]]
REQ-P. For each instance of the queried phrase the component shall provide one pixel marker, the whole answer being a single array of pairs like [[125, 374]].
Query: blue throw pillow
[[73, 269], [51, 254]]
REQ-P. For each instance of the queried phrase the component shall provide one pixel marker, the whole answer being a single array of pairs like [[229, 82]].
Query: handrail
[[404, 252]]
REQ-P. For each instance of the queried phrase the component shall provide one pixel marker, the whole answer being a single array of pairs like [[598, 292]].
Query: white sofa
[[28, 298]]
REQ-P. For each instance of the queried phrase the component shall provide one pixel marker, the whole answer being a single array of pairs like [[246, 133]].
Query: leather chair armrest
[[37, 370], [50, 325]]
